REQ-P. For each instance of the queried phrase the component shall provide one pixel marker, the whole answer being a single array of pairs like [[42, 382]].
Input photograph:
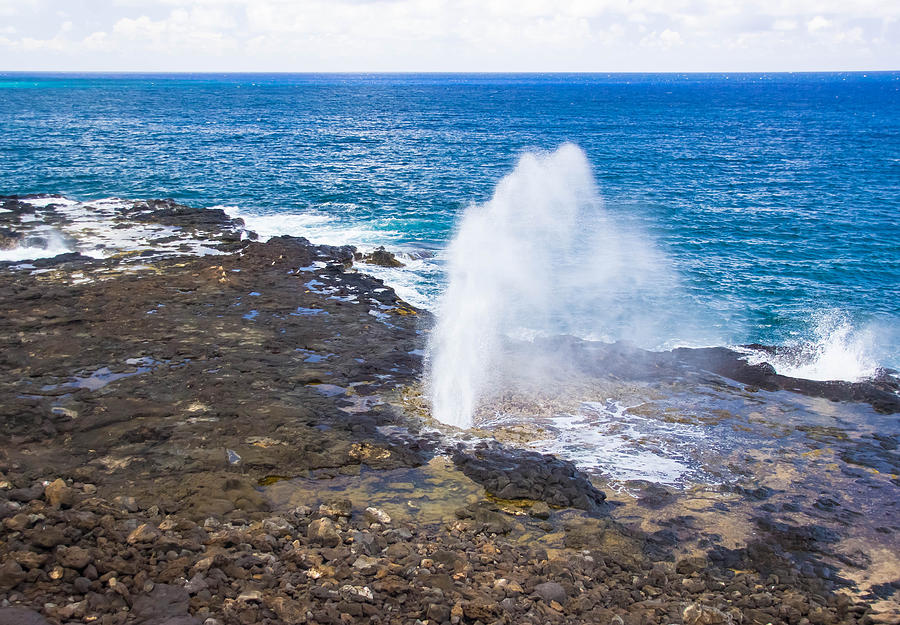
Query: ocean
[[769, 201]]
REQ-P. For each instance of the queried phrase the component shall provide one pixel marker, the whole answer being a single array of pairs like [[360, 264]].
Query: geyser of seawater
[[541, 258]]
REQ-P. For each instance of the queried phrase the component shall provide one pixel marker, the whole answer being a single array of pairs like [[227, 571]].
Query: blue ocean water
[[773, 197]]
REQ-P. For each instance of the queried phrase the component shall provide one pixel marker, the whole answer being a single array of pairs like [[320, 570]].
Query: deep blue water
[[774, 196]]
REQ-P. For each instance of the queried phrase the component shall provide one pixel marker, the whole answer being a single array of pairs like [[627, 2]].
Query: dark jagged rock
[[300, 252], [528, 475], [379, 256], [628, 362], [9, 239]]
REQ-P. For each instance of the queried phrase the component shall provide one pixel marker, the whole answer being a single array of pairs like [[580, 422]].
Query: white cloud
[[670, 38], [817, 23], [784, 24], [542, 35]]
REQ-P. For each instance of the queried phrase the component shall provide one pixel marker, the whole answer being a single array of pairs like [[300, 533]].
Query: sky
[[449, 35]]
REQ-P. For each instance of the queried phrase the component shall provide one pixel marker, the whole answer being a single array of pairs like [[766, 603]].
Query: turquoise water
[[773, 197]]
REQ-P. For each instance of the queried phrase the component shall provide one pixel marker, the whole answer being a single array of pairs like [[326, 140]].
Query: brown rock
[[336, 508], [17, 522], [145, 533], [30, 559], [551, 591], [127, 503], [438, 612], [540, 510], [480, 609], [377, 515], [323, 532], [58, 494], [10, 575], [73, 557], [47, 537], [21, 616], [697, 614], [694, 564], [291, 612]]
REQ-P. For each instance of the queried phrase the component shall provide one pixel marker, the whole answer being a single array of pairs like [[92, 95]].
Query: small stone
[[58, 494], [693, 585], [196, 584], [336, 508], [323, 532], [693, 564], [48, 536], [438, 613], [30, 559], [25, 495], [540, 510], [290, 612], [376, 515], [365, 562], [10, 575], [551, 591], [73, 557], [250, 595], [480, 609], [144, 533], [17, 522], [62, 411], [357, 593], [127, 503], [697, 614], [57, 572]]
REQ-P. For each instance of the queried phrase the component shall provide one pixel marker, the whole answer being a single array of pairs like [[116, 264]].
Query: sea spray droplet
[[541, 258]]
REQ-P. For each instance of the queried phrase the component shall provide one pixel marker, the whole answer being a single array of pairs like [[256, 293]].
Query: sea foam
[[835, 350]]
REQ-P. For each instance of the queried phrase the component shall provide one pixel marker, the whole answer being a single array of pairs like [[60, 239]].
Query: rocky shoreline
[[161, 391]]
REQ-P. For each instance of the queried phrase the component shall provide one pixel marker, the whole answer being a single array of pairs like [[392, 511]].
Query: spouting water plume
[[541, 258]]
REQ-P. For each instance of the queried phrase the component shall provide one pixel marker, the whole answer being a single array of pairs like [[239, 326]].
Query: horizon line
[[446, 72]]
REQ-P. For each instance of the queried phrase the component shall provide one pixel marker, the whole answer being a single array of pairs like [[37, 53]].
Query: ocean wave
[[45, 244], [835, 350], [316, 226], [411, 282]]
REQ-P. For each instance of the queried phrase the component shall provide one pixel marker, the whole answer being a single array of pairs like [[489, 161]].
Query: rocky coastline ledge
[[200, 428]]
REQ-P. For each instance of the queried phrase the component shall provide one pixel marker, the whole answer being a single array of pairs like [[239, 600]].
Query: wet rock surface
[[881, 392], [379, 256], [516, 474], [148, 399]]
